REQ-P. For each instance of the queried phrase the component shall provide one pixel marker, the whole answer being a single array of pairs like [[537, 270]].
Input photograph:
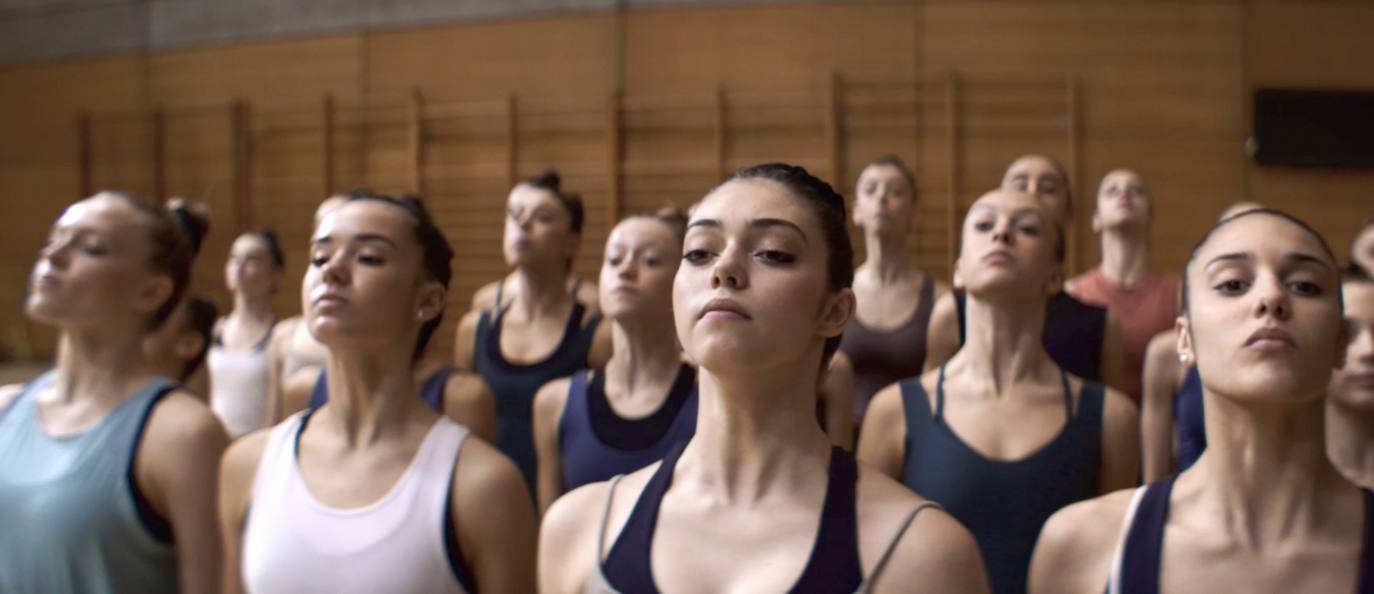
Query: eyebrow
[[762, 223], [1293, 257], [374, 237]]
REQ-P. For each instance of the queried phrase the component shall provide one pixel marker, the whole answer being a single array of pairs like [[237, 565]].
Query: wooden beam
[[512, 141], [327, 129], [83, 154], [614, 138], [952, 147], [1075, 169], [241, 131], [720, 134], [159, 155], [834, 135], [417, 143]]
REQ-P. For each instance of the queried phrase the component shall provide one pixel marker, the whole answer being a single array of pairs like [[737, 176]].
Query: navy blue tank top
[[1073, 334], [1189, 420], [514, 386], [834, 564], [1002, 503], [596, 444], [431, 391], [1143, 548]]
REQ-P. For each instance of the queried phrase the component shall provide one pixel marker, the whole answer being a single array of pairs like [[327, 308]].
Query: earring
[[1184, 359]]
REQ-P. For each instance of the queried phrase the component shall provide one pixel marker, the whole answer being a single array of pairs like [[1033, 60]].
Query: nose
[[627, 269], [1001, 231], [1271, 299], [728, 270], [335, 270]]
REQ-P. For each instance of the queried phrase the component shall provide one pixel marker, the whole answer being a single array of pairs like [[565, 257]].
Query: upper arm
[[276, 356], [1120, 465], [1113, 360], [837, 389], [589, 296], [938, 553], [463, 339], [942, 334], [468, 401], [1074, 552], [1160, 379], [236, 475], [568, 539], [548, 412], [882, 443], [494, 520], [176, 470]]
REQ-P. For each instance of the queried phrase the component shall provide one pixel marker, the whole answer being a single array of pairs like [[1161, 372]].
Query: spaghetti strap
[[1068, 396], [867, 586], [497, 308], [605, 517], [939, 416]]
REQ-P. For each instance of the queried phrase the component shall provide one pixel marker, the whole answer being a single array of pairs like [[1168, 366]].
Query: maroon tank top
[[884, 357]]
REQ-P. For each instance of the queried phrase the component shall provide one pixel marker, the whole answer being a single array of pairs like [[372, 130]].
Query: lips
[[720, 308], [1271, 339], [328, 299], [999, 257]]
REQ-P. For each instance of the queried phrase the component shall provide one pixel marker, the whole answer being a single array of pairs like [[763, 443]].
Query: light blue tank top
[[69, 518]]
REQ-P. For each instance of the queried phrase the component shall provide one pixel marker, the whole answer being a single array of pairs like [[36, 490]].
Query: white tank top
[[238, 387], [294, 544]]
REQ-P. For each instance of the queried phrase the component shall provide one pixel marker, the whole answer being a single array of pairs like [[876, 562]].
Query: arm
[[548, 412], [1076, 546], [938, 553], [1113, 359], [494, 519], [942, 335], [1120, 443], [1157, 405], [236, 474], [276, 357], [175, 467], [463, 339], [468, 401], [882, 443], [837, 391], [589, 296]]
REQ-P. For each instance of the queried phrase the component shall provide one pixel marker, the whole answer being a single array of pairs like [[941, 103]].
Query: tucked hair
[[193, 218], [269, 238], [170, 250], [1326, 248], [549, 181], [828, 206], [201, 314]]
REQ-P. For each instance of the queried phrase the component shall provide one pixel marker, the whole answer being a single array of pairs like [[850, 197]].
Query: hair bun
[[192, 217], [548, 179]]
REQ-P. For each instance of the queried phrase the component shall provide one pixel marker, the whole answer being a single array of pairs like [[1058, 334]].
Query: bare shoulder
[[1076, 545], [180, 420], [550, 398], [1161, 356], [886, 403], [940, 289], [588, 295], [485, 296], [241, 458], [840, 364], [281, 331], [485, 477], [935, 550]]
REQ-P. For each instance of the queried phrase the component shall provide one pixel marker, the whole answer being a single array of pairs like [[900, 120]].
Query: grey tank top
[[70, 519], [598, 583]]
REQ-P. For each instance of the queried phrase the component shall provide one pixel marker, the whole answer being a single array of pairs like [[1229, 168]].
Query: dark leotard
[[1188, 419], [431, 391], [884, 357]]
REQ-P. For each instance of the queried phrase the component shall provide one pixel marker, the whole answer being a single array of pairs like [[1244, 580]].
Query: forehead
[[249, 242], [101, 212], [531, 197], [1033, 166], [882, 171], [742, 200], [1007, 202], [1268, 237], [371, 217], [1121, 176], [1359, 300], [640, 231]]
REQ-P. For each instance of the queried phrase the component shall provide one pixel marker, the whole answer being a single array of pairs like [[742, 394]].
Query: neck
[[100, 365], [644, 354], [1002, 341], [1350, 441], [1125, 255], [1265, 471], [371, 394], [886, 260], [252, 308], [539, 291], [756, 432]]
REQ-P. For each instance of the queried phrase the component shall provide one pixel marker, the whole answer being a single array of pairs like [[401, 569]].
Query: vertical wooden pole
[[327, 129], [159, 155], [613, 154], [720, 134], [83, 153], [952, 138], [512, 141], [1075, 170], [834, 135], [417, 143], [241, 130]]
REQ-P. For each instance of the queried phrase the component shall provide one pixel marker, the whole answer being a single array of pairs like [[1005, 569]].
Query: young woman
[[620, 418], [885, 341], [1001, 435], [374, 491], [1362, 249], [107, 478], [1144, 303], [1263, 509], [532, 326], [1083, 339], [759, 302], [238, 353], [1350, 408]]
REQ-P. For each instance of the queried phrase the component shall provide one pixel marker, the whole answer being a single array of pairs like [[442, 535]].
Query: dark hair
[[1351, 265], [169, 251], [549, 181], [1357, 275], [1058, 168], [896, 162], [672, 217], [201, 314], [269, 238], [194, 220], [437, 253], [828, 205], [1326, 249]]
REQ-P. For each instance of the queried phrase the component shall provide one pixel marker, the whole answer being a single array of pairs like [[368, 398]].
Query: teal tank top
[[70, 517]]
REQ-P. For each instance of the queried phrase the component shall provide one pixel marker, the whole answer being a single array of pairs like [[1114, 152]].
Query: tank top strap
[[577, 284], [959, 298], [1366, 585], [877, 572], [319, 393], [500, 285], [915, 405], [939, 412], [1142, 546], [27, 392], [432, 390], [601, 526], [261, 344], [834, 564], [627, 564]]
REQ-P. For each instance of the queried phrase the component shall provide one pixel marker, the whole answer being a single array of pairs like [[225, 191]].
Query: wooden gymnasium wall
[[650, 107]]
